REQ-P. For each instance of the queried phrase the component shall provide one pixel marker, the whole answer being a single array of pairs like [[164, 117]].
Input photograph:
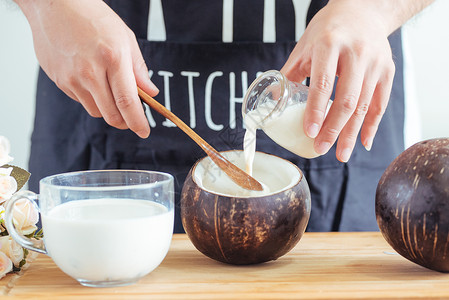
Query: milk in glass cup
[[103, 228]]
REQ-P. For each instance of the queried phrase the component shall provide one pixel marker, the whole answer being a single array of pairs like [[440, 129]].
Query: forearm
[[403, 10], [392, 13], [34, 11], [28, 7]]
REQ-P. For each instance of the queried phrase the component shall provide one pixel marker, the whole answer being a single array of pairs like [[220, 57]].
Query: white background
[[426, 42]]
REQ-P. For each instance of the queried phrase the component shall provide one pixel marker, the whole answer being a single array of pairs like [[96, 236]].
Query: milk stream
[[108, 239]]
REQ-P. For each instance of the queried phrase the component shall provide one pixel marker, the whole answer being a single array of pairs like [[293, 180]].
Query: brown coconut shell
[[246, 230], [412, 204]]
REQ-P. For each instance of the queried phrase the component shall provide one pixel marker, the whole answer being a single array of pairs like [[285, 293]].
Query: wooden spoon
[[235, 173]]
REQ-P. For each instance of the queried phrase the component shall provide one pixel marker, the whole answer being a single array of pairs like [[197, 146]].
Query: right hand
[[91, 55], [347, 39]]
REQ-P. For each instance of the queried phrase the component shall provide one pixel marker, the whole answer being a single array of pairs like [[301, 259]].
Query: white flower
[[4, 151], [5, 264], [25, 216], [12, 249], [8, 186]]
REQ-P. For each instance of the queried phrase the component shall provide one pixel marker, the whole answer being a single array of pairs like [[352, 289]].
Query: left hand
[[348, 40]]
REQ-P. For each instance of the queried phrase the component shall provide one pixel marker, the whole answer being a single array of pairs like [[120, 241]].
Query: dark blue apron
[[202, 80]]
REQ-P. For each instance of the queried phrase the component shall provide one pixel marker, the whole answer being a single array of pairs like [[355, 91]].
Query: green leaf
[[19, 174], [39, 234], [22, 263]]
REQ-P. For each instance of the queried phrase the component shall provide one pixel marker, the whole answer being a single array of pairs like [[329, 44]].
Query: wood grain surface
[[321, 266]]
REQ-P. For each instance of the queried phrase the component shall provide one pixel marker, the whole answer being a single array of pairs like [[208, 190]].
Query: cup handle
[[35, 245]]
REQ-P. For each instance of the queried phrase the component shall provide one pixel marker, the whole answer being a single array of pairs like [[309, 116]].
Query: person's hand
[[91, 55], [346, 39]]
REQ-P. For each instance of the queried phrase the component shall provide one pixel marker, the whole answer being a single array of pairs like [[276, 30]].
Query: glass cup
[[277, 106], [103, 228]]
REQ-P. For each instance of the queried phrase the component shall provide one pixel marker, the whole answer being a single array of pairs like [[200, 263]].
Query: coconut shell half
[[245, 229]]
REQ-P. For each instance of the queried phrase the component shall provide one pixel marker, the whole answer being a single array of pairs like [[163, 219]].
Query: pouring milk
[[285, 128], [277, 106]]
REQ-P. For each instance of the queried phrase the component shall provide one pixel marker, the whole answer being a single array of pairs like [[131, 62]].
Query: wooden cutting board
[[321, 266]]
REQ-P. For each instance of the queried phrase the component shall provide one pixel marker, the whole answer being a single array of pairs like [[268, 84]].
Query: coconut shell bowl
[[233, 225]]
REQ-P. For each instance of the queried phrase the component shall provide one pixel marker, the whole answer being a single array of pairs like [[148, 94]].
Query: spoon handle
[[235, 173]]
